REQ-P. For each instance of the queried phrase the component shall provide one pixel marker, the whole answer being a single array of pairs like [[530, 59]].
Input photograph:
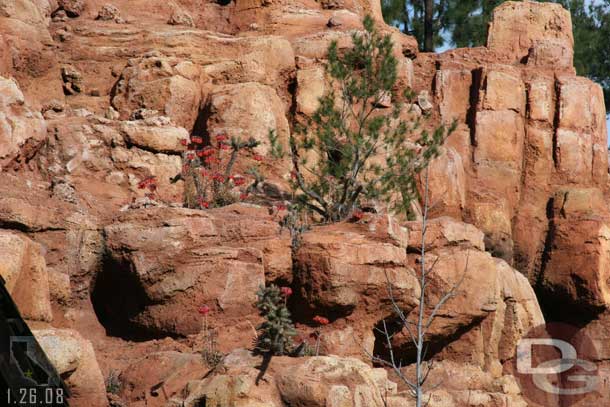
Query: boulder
[[158, 136], [344, 269], [540, 99], [171, 261], [331, 381], [452, 90], [74, 359], [311, 86], [73, 8], [24, 270]]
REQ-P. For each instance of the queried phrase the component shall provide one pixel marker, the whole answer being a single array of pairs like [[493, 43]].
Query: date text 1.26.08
[[35, 396]]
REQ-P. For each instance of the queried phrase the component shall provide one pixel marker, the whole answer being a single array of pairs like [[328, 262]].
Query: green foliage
[[277, 150], [113, 382], [276, 332], [211, 357], [362, 150], [408, 15]]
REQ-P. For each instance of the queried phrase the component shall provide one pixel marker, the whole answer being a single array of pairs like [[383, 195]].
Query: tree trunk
[[405, 20], [429, 26]]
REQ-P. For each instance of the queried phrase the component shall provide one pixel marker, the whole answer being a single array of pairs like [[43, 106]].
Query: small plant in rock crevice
[[150, 184], [113, 382], [276, 332], [208, 171], [209, 352], [321, 321]]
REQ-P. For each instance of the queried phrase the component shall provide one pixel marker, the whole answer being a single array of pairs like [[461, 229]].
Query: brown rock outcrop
[[170, 261], [526, 169]]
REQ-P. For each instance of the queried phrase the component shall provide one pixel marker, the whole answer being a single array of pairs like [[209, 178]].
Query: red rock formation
[[94, 98]]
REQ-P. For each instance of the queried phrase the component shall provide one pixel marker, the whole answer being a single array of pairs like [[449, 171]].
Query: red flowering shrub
[[317, 333], [150, 184], [208, 171]]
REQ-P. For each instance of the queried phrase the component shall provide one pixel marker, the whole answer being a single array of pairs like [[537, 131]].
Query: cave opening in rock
[[404, 349], [118, 297]]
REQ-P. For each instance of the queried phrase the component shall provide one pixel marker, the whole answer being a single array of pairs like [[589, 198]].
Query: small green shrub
[[113, 382], [276, 332]]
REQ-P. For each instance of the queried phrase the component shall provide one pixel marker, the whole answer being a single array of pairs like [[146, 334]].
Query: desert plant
[[276, 332], [208, 171], [210, 354], [113, 382], [359, 136], [321, 321]]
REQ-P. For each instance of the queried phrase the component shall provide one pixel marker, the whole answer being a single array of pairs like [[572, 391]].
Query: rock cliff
[[96, 97]]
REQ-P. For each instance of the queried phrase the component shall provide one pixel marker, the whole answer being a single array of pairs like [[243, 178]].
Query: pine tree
[[359, 135]]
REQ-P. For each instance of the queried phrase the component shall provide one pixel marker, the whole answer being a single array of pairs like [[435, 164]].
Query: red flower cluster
[[212, 160], [214, 164], [286, 291], [258, 157], [281, 207], [203, 310], [203, 203], [149, 183], [208, 151], [218, 177], [184, 142], [358, 214], [321, 320]]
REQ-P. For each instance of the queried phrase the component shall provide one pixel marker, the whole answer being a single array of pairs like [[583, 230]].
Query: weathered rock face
[[169, 262], [249, 110], [517, 30], [578, 274], [344, 269], [312, 381], [168, 85], [527, 127], [172, 369], [21, 129], [526, 169]]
